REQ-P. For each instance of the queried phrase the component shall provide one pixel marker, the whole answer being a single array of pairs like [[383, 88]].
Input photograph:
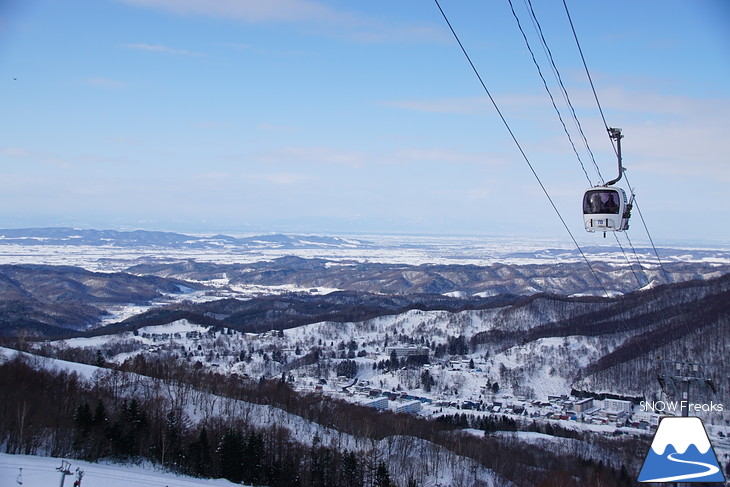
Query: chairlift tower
[[678, 377], [65, 470]]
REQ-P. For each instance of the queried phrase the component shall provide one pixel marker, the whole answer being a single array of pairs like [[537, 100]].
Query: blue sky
[[357, 117]]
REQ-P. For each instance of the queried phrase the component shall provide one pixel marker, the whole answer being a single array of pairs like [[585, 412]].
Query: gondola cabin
[[606, 209]]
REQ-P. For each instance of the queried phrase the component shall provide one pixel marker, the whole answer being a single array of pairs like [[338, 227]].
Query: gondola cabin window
[[601, 201]]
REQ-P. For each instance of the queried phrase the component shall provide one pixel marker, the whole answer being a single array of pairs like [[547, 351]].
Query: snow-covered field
[[391, 249], [34, 471]]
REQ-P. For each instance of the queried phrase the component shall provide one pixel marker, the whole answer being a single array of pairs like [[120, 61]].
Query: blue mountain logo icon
[[681, 451]]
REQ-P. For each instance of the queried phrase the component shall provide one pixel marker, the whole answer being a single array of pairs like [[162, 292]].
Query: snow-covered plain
[[42, 472], [389, 249]]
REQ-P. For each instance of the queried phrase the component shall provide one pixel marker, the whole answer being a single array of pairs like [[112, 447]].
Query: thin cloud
[[470, 105], [285, 178], [444, 105], [445, 156], [335, 23], [162, 49], [32, 156], [246, 10], [671, 133], [315, 155], [268, 52], [106, 83], [15, 151], [279, 178], [270, 127]]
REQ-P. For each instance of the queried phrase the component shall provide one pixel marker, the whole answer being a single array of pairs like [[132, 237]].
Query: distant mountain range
[[466, 248], [58, 300], [145, 238], [567, 278]]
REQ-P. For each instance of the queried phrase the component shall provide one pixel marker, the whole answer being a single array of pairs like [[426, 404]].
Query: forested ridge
[[142, 410]]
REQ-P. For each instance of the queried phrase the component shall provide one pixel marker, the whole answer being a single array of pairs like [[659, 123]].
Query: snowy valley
[[356, 360]]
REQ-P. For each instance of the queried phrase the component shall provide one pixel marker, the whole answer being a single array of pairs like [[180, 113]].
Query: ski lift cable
[[667, 277], [603, 117], [636, 256], [588, 74], [628, 261], [547, 88], [566, 97], [615, 148], [519, 146]]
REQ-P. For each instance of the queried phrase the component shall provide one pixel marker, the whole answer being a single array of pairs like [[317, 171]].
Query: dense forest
[[264, 433]]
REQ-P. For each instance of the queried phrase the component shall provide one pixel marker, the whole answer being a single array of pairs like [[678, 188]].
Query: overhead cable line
[[636, 256], [616, 151], [519, 146], [552, 99], [566, 97], [631, 265], [588, 74], [603, 117], [651, 240]]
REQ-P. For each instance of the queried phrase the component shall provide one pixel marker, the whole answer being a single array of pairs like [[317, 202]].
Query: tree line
[[140, 411]]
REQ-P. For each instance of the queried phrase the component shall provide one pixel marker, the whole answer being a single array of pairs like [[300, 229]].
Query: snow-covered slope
[[34, 471]]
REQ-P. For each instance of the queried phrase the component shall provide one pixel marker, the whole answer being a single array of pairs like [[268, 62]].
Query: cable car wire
[[547, 88], [566, 97], [635, 201], [519, 146], [626, 327], [603, 117], [524, 156], [651, 240], [588, 74], [631, 265], [636, 256]]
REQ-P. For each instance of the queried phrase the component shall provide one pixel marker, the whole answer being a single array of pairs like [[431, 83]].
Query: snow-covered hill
[[404, 455], [36, 471]]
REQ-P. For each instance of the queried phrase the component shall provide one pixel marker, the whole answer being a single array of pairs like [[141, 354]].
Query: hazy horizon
[[333, 116]]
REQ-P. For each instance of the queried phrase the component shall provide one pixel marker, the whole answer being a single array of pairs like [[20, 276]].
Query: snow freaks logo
[[680, 406], [681, 451]]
